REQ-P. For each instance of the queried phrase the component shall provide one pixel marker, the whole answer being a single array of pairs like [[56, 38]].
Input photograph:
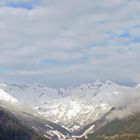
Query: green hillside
[[126, 129]]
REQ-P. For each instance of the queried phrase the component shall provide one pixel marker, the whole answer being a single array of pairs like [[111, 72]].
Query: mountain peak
[[107, 83]]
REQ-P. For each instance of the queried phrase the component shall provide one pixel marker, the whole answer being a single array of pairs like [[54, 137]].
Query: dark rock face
[[12, 129]]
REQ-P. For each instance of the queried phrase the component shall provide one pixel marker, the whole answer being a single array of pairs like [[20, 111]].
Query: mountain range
[[72, 113]]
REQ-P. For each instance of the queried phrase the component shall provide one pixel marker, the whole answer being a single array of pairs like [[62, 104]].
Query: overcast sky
[[63, 43]]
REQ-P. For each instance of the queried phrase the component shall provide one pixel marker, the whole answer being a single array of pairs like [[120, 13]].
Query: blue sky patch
[[24, 5], [136, 40], [21, 5], [125, 35]]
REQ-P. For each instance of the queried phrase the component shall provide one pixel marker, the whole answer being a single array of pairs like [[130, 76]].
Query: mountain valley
[[72, 113]]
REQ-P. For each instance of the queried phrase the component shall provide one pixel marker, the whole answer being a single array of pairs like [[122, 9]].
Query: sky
[[63, 43]]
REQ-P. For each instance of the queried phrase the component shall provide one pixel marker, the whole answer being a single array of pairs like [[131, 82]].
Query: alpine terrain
[[99, 110]]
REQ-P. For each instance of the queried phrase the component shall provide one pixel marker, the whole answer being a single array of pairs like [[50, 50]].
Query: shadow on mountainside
[[12, 129]]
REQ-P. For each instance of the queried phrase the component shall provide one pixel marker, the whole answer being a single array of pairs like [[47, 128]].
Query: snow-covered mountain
[[6, 97], [32, 94], [76, 109]]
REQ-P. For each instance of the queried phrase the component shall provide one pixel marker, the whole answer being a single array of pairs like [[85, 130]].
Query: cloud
[[62, 43]]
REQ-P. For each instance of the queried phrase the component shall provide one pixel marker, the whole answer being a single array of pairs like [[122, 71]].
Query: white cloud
[[67, 42]]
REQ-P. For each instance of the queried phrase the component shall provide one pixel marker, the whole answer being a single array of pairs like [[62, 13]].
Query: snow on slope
[[32, 94], [6, 97], [88, 103], [77, 107], [138, 85]]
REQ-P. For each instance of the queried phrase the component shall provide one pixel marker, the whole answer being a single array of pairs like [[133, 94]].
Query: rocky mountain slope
[[12, 129], [119, 129], [69, 113]]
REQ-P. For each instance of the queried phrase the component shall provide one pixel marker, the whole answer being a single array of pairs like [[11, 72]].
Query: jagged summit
[[104, 82], [35, 94], [98, 83]]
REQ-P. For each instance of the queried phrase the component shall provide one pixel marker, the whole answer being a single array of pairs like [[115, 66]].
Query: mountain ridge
[[73, 109]]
